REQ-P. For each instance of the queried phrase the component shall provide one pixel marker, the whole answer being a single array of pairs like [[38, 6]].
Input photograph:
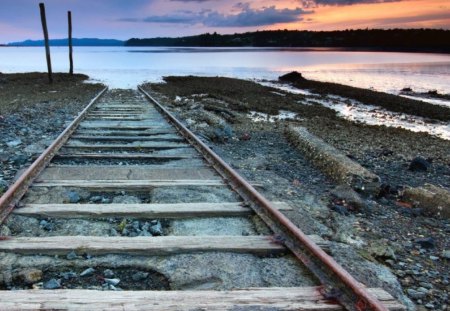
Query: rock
[[71, 256], [419, 164], [3, 186], [350, 196], [14, 143], [126, 199], [112, 282], [108, 273], [96, 199], [113, 232], [426, 243], [380, 249], [19, 159], [446, 254], [68, 275], [5, 231], [415, 294], [245, 136], [52, 284], [340, 209], [156, 229], [293, 76], [73, 197], [406, 89], [87, 272], [31, 276], [139, 276], [46, 225]]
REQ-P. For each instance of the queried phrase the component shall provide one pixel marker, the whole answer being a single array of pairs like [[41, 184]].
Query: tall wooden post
[[47, 46], [69, 18]]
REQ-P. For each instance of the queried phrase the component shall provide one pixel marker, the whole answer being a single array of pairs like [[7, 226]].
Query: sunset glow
[[19, 19]]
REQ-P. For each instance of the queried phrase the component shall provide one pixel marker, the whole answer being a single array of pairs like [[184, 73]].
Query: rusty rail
[[337, 282], [12, 196]]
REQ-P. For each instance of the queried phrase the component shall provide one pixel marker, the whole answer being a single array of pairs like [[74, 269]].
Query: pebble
[[31, 276], [46, 225], [72, 255], [19, 159], [112, 282], [415, 294], [3, 186], [419, 164], [426, 243], [68, 275], [139, 276], [73, 197], [446, 254], [87, 272], [108, 273], [96, 199], [156, 229], [52, 284], [14, 143]]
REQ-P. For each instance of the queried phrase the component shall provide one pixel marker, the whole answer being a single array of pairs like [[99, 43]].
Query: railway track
[[127, 209]]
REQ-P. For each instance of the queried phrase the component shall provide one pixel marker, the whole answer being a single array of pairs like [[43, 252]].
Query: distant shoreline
[[252, 48]]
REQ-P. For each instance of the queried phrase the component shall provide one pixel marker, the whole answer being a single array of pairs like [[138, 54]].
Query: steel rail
[[12, 196], [337, 282]]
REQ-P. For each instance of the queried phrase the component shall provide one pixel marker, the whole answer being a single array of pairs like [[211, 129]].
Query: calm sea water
[[124, 67]]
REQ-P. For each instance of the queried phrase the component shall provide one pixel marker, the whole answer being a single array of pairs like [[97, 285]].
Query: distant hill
[[75, 41], [432, 40]]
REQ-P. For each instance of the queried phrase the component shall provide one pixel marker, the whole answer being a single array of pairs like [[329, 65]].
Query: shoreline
[[369, 235]]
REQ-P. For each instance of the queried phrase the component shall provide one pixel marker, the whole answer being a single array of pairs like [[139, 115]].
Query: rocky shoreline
[[380, 235], [383, 240], [33, 113]]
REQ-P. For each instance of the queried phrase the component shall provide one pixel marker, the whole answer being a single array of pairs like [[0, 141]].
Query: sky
[[124, 19]]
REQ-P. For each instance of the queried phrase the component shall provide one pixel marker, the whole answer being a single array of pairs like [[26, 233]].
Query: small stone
[[72, 255], [426, 285], [113, 232], [4, 230], [135, 225], [96, 199], [68, 275], [340, 209], [156, 229], [46, 225], [52, 284], [434, 258], [429, 306], [31, 276], [139, 276], [73, 197], [87, 272], [426, 243], [415, 294], [14, 143], [113, 282], [446, 254], [108, 273], [419, 164], [19, 159]]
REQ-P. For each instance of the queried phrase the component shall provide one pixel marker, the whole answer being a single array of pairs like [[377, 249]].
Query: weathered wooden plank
[[124, 132], [159, 146], [179, 210], [136, 156], [149, 246], [119, 172], [272, 298], [128, 138], [127, 184]]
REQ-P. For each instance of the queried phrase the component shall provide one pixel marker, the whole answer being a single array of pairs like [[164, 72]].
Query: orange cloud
[[404, 14]]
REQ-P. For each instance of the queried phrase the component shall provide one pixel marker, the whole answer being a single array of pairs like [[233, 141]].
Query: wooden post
[[69, 18], [47, 47]]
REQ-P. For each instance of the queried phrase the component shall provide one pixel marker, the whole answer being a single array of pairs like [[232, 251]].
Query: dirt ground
[[383, 231], [33, 113]]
